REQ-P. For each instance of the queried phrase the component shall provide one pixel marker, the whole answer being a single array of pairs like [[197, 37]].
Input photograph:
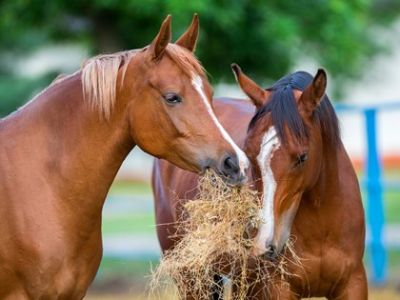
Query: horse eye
[[172, 98], [301, 159]]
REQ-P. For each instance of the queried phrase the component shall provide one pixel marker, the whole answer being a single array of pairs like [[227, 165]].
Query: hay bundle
[[215, 238]]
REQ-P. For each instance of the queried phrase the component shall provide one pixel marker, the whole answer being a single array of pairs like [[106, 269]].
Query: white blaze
[[269, 144], [243, 161]]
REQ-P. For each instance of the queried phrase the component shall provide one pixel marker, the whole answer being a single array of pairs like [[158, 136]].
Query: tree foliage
[[266, 37]]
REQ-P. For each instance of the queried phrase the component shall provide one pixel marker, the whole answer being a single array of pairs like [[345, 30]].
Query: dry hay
[[215, 237]]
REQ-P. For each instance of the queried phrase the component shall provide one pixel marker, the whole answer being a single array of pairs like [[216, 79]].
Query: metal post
[[374, 197]]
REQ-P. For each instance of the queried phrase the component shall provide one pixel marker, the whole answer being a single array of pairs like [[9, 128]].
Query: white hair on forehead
[[242, 158], [269, 144]]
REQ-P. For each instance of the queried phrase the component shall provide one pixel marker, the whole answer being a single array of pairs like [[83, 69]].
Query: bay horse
[[60, 153], [307, 185]]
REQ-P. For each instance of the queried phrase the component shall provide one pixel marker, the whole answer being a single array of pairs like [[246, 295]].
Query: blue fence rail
[[374, 185]]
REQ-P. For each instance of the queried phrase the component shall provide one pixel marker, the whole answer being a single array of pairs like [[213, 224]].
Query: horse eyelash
[[301, 159]]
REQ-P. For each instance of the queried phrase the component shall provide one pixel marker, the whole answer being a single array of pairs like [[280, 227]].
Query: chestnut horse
[[308, 188], [60, 153]]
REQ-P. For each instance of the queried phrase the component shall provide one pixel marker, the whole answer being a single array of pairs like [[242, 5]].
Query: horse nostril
[[231, 165], [230, 170], [271, 253]]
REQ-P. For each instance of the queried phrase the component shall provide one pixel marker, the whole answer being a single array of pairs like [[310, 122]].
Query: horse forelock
[[100, 73], [285, 114]]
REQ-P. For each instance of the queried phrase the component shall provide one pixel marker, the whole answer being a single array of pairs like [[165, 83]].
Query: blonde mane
[[99, 79], [99, 74]]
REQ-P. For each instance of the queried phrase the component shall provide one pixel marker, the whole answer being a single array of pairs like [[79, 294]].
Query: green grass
[[392, 173], [392, 207], [393, 262], [111, 267], [391, 198], [130, 188], [129, 223]]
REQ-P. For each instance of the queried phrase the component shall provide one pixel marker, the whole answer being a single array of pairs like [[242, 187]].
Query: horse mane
[[100, 73], [284, 111]]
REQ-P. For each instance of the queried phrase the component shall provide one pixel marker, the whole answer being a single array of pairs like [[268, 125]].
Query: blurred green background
[[267, 37], [40, 39]]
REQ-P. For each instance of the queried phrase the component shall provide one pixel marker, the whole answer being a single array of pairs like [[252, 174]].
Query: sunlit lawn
[[130, 188], [142, 223], [392, 207], [135, 222]]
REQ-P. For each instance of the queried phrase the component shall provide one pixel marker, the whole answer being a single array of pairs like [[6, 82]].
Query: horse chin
[[270, 253]]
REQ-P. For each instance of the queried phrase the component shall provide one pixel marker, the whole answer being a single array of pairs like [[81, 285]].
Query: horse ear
[[313, 94], [157, 47], [257, 95], [188, 40]]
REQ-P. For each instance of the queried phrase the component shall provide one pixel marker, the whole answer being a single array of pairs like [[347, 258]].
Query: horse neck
[[335, 180], [77, 151]]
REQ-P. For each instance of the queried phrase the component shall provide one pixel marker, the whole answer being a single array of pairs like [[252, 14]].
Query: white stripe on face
[[269, 144], [243, 161]]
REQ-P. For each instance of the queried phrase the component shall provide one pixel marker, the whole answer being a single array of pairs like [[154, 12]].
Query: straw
[[215, 237]]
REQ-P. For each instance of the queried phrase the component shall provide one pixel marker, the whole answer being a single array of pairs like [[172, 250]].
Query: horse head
[[285, 145]]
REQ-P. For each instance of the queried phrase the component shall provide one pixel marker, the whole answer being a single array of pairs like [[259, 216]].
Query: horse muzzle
[[231, 171], [271, 253]]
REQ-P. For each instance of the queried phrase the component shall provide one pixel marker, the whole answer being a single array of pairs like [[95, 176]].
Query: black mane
[[284, 112]]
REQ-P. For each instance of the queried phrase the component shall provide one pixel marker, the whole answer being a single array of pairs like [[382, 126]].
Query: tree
[[265, 37]]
